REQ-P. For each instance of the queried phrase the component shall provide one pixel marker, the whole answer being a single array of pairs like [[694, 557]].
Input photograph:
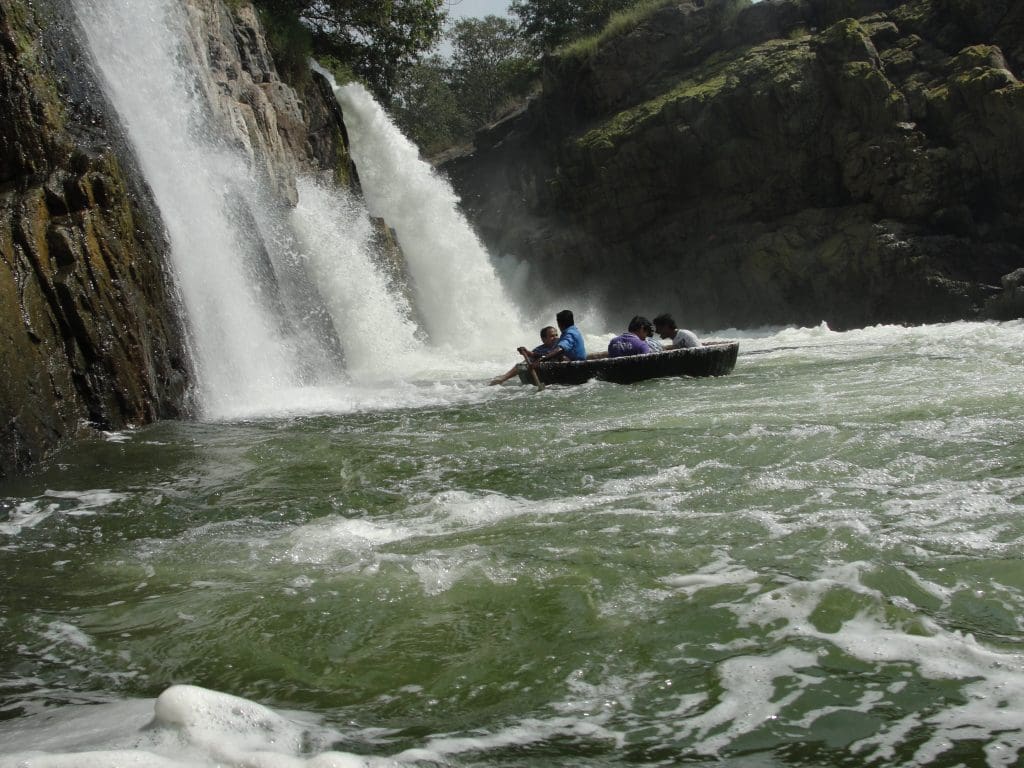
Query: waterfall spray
[[243, 352], [286, 307], [455, 284]]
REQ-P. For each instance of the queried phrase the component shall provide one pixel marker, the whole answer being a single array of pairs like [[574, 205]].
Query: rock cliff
[[90, 334], [87, 329], [790, 161]]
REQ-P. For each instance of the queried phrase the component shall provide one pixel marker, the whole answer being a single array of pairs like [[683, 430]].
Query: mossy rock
[[88, 330]]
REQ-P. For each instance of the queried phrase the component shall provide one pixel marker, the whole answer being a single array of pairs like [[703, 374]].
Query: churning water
[[815, 561]]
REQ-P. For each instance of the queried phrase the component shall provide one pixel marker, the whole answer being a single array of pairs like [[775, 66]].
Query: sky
[[480, 8], [458, 9]]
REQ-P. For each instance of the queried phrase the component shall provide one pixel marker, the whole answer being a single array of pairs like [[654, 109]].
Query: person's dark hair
[[565, 318], [638, 322], [545, 329], [664, 320]]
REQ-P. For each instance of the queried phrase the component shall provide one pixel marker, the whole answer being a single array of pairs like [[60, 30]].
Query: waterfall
[[334, 231], [455, 284], [281, 304]]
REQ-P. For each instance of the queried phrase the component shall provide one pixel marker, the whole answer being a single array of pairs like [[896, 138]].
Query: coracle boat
[[714, 358]]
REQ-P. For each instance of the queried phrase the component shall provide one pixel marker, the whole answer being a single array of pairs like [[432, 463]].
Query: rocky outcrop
[[88, 333], [792, 161], [282, 128]]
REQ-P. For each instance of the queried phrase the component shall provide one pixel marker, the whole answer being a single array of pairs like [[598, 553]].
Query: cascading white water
[[334, 231], [455, 284], [282, 308], [239, 348]]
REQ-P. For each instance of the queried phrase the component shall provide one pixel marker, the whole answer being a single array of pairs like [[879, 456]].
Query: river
[[813, 561]]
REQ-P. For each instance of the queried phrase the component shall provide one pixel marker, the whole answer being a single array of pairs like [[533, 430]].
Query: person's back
[[685, 339], [627, 344], [631, 342], [653, 343], [571, 340]]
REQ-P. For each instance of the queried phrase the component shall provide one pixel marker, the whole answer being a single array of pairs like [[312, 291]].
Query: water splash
[[335, 233], [286, 306], [455, 284]]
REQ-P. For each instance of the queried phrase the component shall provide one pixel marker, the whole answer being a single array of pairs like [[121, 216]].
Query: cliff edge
[[88, 333], [785, 162]]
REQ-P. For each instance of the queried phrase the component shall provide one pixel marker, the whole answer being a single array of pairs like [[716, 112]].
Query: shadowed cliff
[[793, 161], [89, 334]]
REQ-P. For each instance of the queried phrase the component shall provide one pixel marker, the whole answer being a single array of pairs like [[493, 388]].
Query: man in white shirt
[[667, 329]]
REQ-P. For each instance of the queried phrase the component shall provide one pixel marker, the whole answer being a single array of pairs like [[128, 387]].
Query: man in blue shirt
[[570, 343]]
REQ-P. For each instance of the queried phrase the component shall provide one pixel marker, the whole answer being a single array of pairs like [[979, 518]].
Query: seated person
[[667, 329], [570, 343], [633, 341], [549, 343], [653, 343]]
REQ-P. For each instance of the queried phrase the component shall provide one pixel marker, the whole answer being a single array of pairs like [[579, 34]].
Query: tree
[[376, 38], [440, 103], [426, 109], [547, 24], [490, 64]]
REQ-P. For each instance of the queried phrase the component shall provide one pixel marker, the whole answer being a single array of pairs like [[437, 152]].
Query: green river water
[[816, 560]]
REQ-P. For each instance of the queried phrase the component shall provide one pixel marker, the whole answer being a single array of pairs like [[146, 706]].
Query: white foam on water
[[524, 733], [750, 697], [86, 502], [60, 633], [321, 541], [993, 680], [363, 544], [185, 726], [30, 513], [458, 383], [189, 726], [719, 572], [27, 514]]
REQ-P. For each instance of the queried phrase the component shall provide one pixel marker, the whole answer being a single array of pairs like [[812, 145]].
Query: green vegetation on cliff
[[376, 39]]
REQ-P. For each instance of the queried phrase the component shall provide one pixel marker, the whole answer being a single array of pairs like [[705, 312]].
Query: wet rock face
[[282, 128], [793, 161], [88, 333]]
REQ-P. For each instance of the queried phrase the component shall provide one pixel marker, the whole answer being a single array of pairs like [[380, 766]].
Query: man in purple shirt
[[632, 342]]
